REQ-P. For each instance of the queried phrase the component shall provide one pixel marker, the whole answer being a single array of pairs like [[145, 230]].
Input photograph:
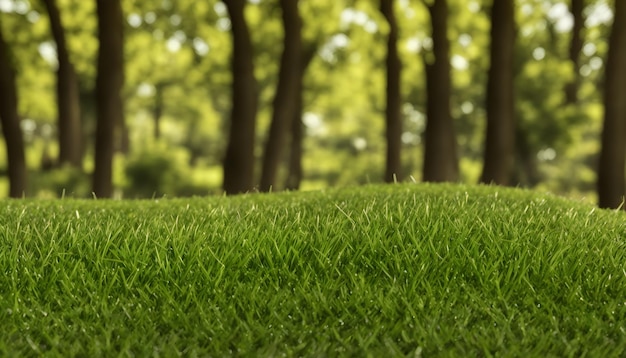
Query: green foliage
[[184, 46], [397, 270], [60, 182], [156, 170]]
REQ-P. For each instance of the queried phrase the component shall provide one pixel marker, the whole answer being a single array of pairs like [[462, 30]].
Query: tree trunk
[[11, 123], [157, 111], [239, 158], [68, 100], [394, 101], [294, 177], [525, 172], [500, 137], [576, 45], [285, 99], [109, 82], [440, 153], [611, 180]]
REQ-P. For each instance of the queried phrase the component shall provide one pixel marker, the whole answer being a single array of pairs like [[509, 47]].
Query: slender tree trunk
[[157, 112], [239, 158], [440, 152], [11, 123], [121, 136], [109, 82], [611, 180], [285, 99], [575, 47], [294, 177], [68, 100], [525, 172], [500, 139], [394, 100]]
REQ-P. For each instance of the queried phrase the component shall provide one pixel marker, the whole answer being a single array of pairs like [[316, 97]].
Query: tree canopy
[[179, 100]]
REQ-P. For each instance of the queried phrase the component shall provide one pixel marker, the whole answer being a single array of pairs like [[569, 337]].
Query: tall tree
[[575, 47], [287, 92], [296, 150], [10, 121], [239, 158], [393, 116], [109, 82], [158, 107], [611, 180], [68, 100], [295, 172], [440, 152], [500, 138]]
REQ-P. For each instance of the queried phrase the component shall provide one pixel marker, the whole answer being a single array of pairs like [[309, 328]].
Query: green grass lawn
[[397, 270]]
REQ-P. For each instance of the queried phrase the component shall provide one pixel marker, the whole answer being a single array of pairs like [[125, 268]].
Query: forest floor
[[381, 270]]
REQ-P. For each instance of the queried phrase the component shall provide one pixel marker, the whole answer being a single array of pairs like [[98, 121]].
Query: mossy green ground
[[396, 270]]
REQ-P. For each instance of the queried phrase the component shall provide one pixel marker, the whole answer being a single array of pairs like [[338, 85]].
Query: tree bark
[[239, 158], [500, 137], [109, 82], [11, 123], [575, 47], [157, 111], [611, 179], [68, 100], [393, 116], [295, 174], [285, 99], [525, 172], [440, 152]]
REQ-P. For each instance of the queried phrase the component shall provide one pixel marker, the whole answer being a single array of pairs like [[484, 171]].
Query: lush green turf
[[432, 270]]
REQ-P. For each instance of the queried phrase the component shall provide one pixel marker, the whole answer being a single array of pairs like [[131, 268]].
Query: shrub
[[60, 182], [156, 170]]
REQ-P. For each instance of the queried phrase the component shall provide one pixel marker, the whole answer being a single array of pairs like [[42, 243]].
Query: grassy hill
[[398, 270]]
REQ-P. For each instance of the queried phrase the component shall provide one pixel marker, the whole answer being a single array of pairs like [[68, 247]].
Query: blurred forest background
[[145, 98]]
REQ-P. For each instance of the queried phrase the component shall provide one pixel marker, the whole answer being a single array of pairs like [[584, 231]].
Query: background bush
[[156, 170]]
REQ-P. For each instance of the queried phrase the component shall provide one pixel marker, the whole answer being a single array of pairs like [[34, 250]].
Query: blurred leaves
[[183, 46]]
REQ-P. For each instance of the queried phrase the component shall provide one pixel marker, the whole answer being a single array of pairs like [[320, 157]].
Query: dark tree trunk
[[575, 47], [121, 136], [109, 82], [525, 172], [11, 123], [294, 177], [68, 99], [239, 158], [157, 112], [500, 138], [611, 180], [440, 152], [394, 101], [285, 99]]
